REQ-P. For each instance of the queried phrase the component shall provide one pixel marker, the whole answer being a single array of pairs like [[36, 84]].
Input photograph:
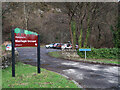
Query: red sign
[[26, 40]]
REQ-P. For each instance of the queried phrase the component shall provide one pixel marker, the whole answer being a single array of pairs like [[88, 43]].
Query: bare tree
[[71, 10]]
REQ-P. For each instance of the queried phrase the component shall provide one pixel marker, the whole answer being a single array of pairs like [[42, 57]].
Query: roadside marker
[[85, 51]]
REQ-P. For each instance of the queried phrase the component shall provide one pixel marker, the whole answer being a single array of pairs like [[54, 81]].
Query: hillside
[[51, 21]]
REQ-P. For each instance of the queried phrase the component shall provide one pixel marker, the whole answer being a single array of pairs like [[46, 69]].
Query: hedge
[[102, 53]]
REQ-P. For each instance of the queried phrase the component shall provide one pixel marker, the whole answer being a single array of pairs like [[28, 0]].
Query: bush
[[102, 53]]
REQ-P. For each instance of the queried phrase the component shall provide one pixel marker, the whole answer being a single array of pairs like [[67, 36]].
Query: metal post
[[13, 54], [85, 54], [38, 54]]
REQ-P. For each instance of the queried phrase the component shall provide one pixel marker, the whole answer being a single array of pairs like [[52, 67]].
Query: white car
[[49, 45], [66, 46], [76, 46], [55, 45], [9, 47]]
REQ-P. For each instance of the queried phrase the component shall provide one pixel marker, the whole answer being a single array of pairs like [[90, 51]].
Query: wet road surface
[[87, 75]]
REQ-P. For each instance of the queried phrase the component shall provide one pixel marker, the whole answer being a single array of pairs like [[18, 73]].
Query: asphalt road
[[87, 75]]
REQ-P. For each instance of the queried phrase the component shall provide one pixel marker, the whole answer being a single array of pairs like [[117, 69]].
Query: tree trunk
[[71, 35], [74, 33], [26, 19]]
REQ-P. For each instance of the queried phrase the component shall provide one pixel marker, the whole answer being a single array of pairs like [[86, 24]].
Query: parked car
[[59, 45], [76, 46], [66, 46], [55, 45], [49, 45], [9, 47]]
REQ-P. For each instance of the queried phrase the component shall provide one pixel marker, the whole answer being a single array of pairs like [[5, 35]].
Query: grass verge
[[57, 54], [26, 77]]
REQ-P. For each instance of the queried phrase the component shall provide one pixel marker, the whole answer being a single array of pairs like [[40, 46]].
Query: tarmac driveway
[[87, 75]]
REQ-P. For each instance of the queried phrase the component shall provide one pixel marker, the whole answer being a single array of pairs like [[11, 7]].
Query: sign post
[[85, 54], [85, 51], [38, 54], [24, 38], [13, 54]]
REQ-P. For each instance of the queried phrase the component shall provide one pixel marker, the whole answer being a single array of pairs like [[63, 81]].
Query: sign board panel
[[25, 38], [84, 49]]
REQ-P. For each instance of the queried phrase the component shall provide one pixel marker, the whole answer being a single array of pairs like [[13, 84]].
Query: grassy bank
[[89, 59], [26, 77]]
